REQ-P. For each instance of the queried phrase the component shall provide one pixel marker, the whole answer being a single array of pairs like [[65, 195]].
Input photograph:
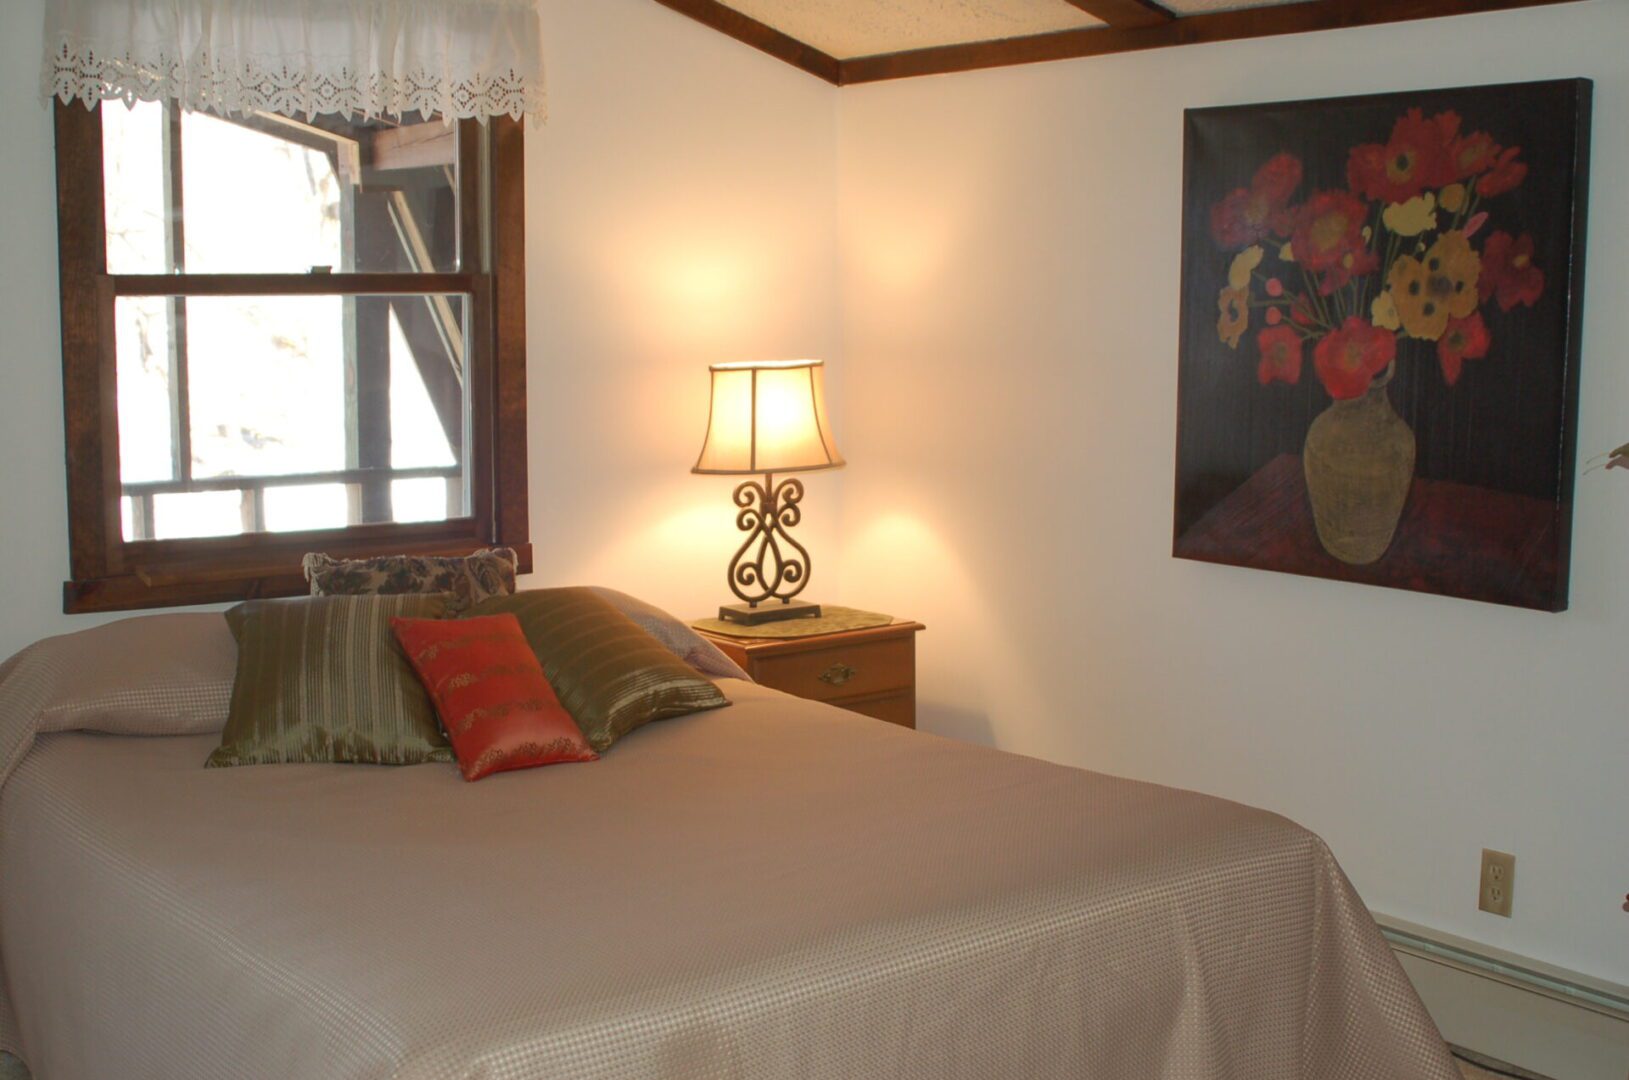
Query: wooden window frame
[[110, 573]]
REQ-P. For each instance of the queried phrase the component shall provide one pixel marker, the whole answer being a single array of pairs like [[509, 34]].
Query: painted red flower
[[1328, 239], [1508, 271], [1247, 215], [1473, 154], [1278, 178], [1465, 339], [1415, 158], [1504, 175], [1280, 355], [1348, 359]]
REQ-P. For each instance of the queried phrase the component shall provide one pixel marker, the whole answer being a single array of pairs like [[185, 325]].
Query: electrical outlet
[[1498, 882]]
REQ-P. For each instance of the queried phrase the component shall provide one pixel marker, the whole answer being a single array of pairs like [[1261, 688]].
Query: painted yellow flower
[[1234, 318], [1439, 285], [1413, 217], [1452, 198], [1287, 253], [1383, 312], [1453, 256], [1244, 263]]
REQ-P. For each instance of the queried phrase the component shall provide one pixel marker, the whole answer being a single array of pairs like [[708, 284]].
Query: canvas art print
[[1380, 338]]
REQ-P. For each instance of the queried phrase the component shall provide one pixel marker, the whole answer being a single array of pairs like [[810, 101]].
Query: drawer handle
[[837, 674]]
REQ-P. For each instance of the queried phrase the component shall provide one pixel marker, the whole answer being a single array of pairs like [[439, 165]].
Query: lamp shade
[[768, 416]]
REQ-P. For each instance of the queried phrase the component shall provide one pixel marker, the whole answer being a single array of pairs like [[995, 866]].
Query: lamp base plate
[[769, 611]]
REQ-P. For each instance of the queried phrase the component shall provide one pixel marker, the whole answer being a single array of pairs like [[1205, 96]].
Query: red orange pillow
[[489, 689]]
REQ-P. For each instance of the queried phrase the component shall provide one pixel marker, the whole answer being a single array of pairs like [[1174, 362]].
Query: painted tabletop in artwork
[[1453, 538]]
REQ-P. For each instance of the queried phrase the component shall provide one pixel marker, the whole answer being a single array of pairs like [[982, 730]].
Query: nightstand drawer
[[871, 671], [849, 671]]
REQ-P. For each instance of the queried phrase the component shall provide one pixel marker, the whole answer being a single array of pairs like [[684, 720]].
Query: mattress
[[775, 889]]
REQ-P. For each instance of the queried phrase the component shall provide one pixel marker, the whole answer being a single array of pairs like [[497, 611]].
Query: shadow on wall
[[669, 542], [902, 564], [943, 718], [664, 546]]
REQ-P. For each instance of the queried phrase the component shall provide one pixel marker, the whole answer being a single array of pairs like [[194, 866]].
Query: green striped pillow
[[611, 676], [323, 679]]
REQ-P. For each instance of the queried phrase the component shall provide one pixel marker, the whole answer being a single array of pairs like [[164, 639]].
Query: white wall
[[33, 505], [681, 210], [1010, 247]]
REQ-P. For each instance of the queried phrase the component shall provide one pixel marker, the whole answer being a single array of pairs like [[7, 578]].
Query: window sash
[[364, 284], [371, 482], [111, 573]]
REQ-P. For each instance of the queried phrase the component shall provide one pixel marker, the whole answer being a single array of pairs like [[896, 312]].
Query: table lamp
[[768, 417]]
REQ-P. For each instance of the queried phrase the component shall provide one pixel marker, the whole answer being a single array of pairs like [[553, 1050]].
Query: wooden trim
[[231, 584], [1295, 18], [89, 397], [761, 36], [373, 284], [467, 178], [506, 346], [1124, 13], [175, 556]]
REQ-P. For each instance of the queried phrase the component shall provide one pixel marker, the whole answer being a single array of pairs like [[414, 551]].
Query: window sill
[[173, 586]]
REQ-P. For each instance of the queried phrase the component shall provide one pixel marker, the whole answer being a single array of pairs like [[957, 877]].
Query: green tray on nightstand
[[832, 620]]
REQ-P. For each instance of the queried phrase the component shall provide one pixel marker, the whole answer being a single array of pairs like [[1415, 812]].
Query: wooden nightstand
[[866, 671]]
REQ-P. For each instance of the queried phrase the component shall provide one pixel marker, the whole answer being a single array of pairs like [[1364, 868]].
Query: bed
[[773, 889]]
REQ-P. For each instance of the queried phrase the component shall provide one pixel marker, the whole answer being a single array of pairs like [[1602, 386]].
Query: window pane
[[418, 436], [133, 181], [143, 350], [268, 194], [342, 393], [419, 500], [252, 200], [267, 383], [198, 513], [314, 506]]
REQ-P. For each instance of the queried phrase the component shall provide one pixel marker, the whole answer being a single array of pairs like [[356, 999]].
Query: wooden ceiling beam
[[759, 35], [1124, 13], [411, 146], [1294, 18]]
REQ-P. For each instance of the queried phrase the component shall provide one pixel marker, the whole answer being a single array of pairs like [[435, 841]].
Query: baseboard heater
[[1555, 1022]]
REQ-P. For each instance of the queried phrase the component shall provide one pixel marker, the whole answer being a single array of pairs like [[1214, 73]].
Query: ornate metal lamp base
[[747, 615], [769, 568]]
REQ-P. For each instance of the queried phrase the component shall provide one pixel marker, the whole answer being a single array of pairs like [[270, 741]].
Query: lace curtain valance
[[455, 58]]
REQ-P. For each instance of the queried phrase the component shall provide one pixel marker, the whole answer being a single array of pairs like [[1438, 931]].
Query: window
[[282, 336]]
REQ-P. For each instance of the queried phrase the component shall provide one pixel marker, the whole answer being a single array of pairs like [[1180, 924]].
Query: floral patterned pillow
[[469, 580]]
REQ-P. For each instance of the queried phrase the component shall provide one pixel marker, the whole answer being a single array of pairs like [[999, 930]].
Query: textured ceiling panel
[[848, 28]]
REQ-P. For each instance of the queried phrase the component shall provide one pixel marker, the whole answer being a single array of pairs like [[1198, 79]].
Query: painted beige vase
[[1359, 460]]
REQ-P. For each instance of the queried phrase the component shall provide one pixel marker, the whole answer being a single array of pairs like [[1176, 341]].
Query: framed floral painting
[[1381, 301]]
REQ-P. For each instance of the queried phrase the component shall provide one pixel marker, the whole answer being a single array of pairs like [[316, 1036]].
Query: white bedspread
[[776, 889]]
